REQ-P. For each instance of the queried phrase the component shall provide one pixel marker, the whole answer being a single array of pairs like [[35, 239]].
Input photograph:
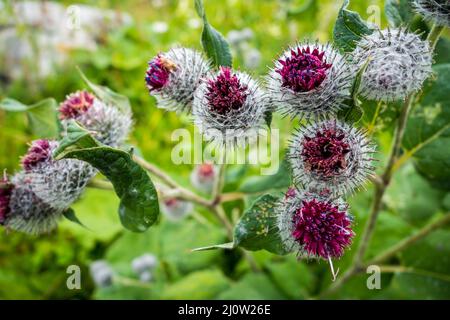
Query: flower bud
[[108, 124], [203, 177], [176, 209], [229, 108], [144, 263], [313, 225], [173, 77], [27, 212], [398, 64], [58, 183], [309, 80], [102, 273], [331, 155]]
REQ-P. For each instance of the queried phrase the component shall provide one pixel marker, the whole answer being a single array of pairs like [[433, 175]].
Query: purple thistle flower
[[76, 104], [321, 229], [225, 92], [304, 70], [158, 72], [325, 152], [310, 80], [5, 195], [331, 156], [173, 76], [40, 151]]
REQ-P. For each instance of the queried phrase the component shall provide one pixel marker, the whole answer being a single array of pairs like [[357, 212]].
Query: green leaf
[[257, 228], [228, 245], [427, 135], [107, 95], [42, 116], [353, 111], [213, 42], [268, 118], [252, 287], [70, 215], [139, 208], [199, 285], [258, 184], [349, 28], [76, 138], [398, 12]]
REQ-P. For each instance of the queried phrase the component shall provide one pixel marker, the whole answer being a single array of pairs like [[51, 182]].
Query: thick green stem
[[385, 178]]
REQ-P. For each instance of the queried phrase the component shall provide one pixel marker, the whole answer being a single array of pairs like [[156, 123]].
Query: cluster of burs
[[311, 81]]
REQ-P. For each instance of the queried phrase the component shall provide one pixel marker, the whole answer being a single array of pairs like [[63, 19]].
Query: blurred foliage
[[35, 268]]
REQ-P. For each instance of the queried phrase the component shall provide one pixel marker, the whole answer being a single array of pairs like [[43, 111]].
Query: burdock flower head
[[332, 156], [58, 183], [203, 177], [27, 212], [398, 64], [6, 188], [173, 77], [229, 107], [436, 11], [108, 123], [314, 226], [309, 80], [176, 209]]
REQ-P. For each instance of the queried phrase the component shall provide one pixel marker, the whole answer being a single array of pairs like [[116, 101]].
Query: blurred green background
[[35, 267]]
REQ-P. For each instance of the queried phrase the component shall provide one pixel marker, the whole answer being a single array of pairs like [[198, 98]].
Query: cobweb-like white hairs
[[435, 11], [331, 156], [399, 63], [190, 67]]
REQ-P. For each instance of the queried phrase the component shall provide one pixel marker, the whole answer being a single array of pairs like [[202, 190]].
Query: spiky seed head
[[435, 11], [27, 212], [331, 156], [203, 177], [229, 108], [176, 209], [58, 183], [172, 78], [6, 188], [309, 80], [398, 64], [107, 123], [76, 104], [313, 225]]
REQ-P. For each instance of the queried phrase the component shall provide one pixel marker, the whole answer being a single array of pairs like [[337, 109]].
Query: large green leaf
[[257, 228], [42, 116], [139, 207], [213, 42], [427, 136], [199, 285], [349, 28], [398, 12], [258, 184]]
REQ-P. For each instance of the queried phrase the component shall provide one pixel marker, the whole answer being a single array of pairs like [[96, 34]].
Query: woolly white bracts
[[172, 78], [203, 177], [435, 11], [229, 108], [108, 124], [28, 213], [399, 63], [331, 156], [309, 80], [175, 209], [313, 225]]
